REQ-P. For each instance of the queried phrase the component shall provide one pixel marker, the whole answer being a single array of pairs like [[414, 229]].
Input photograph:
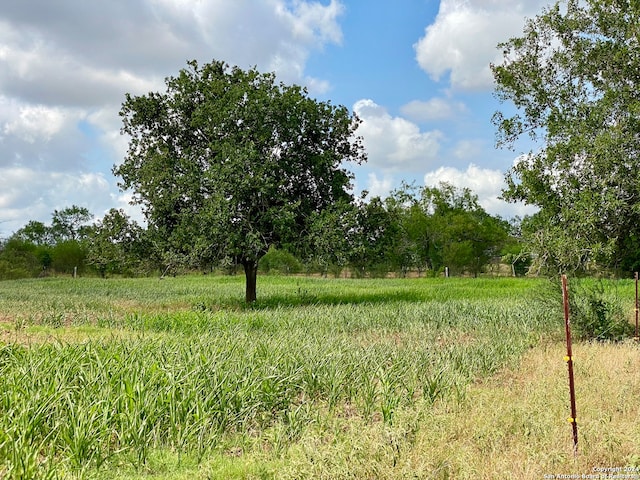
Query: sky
[[415, 71]]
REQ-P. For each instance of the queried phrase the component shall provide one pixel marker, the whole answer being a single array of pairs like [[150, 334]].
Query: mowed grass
[[322, 378]]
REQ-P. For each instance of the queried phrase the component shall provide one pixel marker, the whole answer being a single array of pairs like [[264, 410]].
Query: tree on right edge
[[573, 77]]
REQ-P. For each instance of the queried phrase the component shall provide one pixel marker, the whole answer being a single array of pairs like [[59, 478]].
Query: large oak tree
[[574, 78], [228, 162]]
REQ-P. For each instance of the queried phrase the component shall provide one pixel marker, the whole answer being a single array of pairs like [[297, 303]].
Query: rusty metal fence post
[[636, 335], [569, 360]]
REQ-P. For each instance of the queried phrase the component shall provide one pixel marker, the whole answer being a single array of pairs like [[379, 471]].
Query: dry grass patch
[[513, 425]]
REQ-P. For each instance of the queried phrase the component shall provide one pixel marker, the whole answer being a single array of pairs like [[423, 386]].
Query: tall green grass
[[197, 367]]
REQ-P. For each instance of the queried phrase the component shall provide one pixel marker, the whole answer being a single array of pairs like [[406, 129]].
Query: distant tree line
[[420, 230], [414, 230], [73, 245]]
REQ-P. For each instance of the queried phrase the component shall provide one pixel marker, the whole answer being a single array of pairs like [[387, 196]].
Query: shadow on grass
[[302, 299]]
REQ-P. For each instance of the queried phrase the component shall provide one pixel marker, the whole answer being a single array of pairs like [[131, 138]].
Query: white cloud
[[462, 41], [43, 60], [40, 136], [65, 69], [107, 122], [379, 187], [433, 109], [35, 123], [487, 184], [394, 143], [313, 23], [469, 149], [30, 194], [275, 35]]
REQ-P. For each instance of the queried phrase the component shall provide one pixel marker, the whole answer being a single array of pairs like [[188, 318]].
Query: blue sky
[[415, 71]]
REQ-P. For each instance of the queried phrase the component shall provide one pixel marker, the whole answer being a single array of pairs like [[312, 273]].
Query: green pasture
[[177, 378]]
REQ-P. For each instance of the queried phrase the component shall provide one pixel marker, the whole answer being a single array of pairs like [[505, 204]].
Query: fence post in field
[[569, 360], [636, 335]]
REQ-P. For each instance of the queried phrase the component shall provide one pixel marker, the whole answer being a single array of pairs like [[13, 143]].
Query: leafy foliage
[[373, 236], [69, 256], [329, 240], [463, 235], [117, 244], [597, 308], [411, 248], [597, 315], [573, 78], [280, 261], [35, 232], [228, 163], [70, 224], [412, 230], [36, 248], [18, 259]]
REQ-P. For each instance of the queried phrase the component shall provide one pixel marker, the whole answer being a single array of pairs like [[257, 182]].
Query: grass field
[[322, 378]]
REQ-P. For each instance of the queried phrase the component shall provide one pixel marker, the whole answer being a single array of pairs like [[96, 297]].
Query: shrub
[[597, 314], [18, 260], [279, 261], [13, 272], [68, 255]]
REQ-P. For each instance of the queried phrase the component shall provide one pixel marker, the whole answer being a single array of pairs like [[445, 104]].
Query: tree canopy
[[117, 244], [227, 163], [574, 78], [414, 229], [70, 223]]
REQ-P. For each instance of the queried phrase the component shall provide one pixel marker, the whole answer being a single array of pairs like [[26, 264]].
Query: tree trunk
[[251, 275]]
